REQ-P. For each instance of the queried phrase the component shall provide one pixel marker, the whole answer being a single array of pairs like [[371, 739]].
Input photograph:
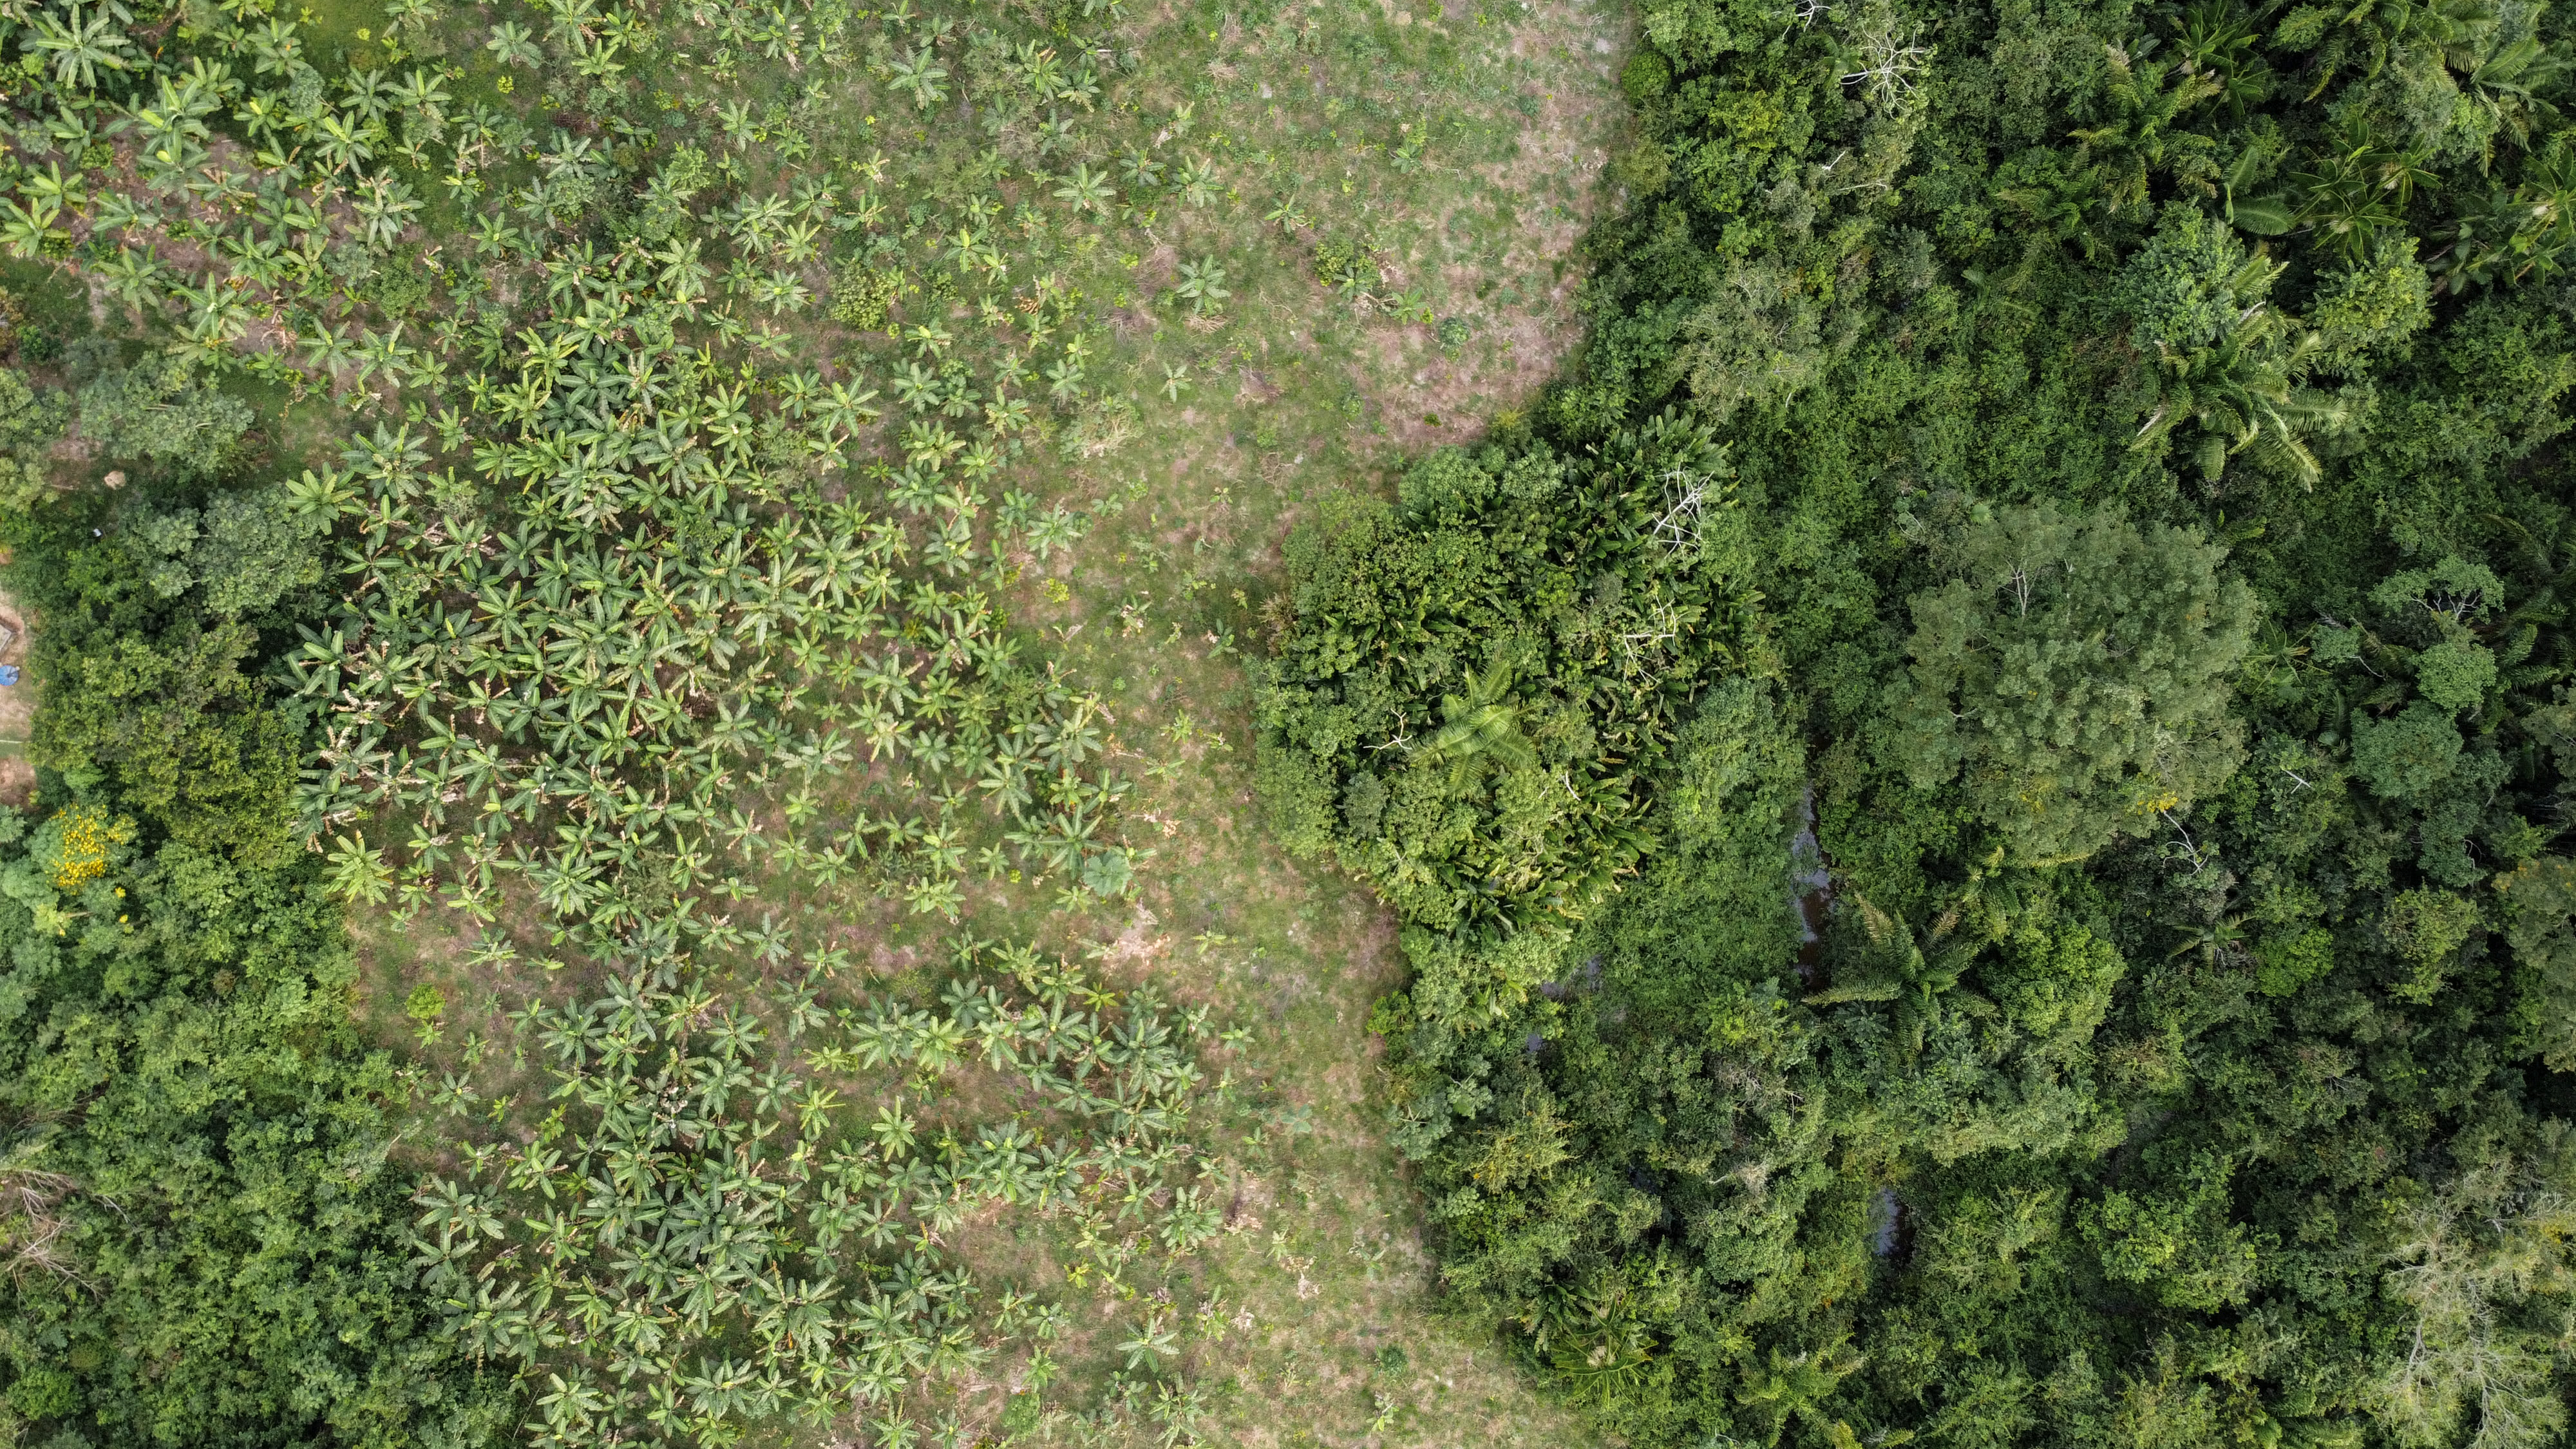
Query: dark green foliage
[[207, 1243], [2147, 431], [1346, 266]]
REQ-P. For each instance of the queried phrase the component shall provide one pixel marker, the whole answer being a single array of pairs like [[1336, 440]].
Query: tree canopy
[[2090, 962], [2072, 675]]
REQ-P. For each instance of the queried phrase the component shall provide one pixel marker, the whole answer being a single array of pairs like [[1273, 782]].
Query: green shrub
[[863, 294]]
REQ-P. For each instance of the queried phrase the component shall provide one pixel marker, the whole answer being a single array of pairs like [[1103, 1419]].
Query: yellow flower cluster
[[85, 838]]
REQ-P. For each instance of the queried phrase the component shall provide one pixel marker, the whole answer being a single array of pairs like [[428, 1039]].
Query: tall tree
[[2071, 673]]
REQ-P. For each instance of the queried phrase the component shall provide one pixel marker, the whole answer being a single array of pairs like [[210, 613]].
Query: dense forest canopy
[[2131, 663], [1973, 797]]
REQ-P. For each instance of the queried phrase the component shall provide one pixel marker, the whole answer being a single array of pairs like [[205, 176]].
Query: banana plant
[[1482, 723], [660, 1240], [1895, 963], [2511, 236], [77, 44]]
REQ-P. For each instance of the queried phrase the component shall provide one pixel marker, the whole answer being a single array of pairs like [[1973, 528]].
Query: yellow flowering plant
[[78, 845]]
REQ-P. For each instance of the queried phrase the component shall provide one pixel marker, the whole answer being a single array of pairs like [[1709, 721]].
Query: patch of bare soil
[[1430, 396]]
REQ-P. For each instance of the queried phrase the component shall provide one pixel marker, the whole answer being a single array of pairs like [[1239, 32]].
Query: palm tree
[[2145, 132], [2355, 188], [1483, 723], [2216, 38], [2511, 235], [2243, 394]]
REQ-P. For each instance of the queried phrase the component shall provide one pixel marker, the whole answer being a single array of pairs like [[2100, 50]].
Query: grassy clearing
[[1394, 206], [1343, 1343]]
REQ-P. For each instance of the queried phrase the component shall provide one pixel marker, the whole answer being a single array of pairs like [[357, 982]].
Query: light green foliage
[[697, 1199], [682, 176], [2456, 589], [159, 410], [2449, 602], [2286, 963], [2179, 1247], [151, 691], [2370, 311], [2427, 928], [2054, 977], [1346, 266], [2191, 283], [425, 1004], [1471, 684], [1756, 344], [2072, 675], [2455, 673]]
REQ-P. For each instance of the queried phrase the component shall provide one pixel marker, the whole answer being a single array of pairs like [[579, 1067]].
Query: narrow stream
[[1891, 1227], [1811, 882], [1812, 888]]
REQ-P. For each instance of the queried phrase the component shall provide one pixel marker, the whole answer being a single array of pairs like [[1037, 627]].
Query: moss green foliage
[[2071, 675], [243, 551], [861, 293], [2099, 971], [1475, 684]]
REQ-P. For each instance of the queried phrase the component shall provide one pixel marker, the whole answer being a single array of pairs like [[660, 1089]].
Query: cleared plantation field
[[1263, 262]]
